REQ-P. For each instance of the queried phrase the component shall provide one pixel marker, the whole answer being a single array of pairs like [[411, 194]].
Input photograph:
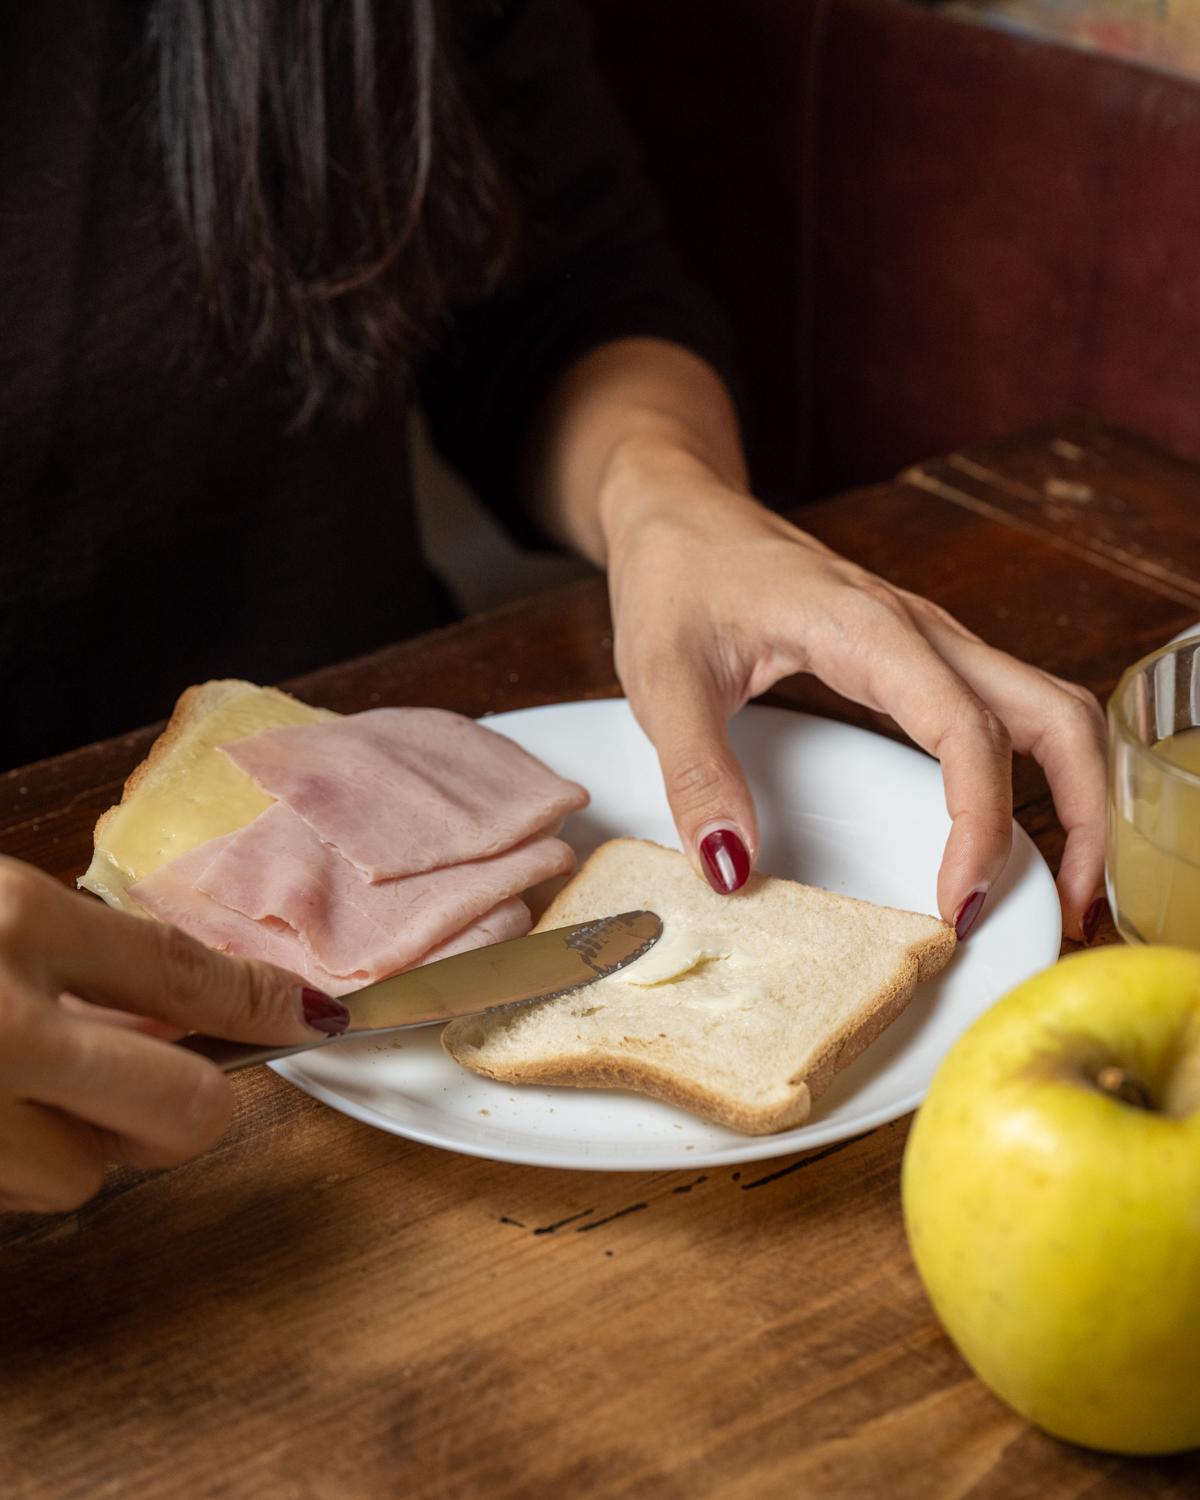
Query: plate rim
[[754, 1148]]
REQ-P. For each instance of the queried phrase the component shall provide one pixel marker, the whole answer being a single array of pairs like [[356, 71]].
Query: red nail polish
[[968, 914], [323, 1013], [726, 861], [1091, 918]]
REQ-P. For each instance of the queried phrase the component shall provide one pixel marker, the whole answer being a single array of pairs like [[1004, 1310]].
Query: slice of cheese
[[186, 792]]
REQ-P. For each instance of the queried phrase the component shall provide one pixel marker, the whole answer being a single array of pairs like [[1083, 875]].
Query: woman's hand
[[715, 599], [637, 464], [88, 1080]]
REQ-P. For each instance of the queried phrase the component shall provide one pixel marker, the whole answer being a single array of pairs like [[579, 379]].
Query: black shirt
[[161, 523]]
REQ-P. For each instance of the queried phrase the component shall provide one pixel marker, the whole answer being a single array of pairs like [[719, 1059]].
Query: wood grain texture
[[1097, 493], [318, 1311]]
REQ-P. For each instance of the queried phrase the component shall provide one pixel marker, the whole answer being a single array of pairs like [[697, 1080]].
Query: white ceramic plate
[[840, 808]]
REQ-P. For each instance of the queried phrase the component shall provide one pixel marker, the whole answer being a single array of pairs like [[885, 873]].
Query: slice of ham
[[277, 869], [511, 919], [170, 894], [401, 791]]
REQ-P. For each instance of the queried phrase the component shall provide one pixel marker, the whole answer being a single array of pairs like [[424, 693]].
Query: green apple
[[1051, 1192]]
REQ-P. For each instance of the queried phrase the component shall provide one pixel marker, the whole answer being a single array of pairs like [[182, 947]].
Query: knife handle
[[230, 1056]]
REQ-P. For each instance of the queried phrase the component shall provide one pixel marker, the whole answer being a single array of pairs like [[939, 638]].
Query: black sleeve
[[594, 262]]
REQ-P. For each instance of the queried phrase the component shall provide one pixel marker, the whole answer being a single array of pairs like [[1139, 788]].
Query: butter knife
[[540, 966]]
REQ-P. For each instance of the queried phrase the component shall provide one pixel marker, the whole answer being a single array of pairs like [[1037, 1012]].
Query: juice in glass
[[1153, 854]]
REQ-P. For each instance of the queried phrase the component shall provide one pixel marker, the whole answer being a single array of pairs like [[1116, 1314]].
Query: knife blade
[[540, 966]]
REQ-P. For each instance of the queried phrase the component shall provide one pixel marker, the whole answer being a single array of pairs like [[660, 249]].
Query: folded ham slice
[[171, 895], [511, 919], [399, 837], [400, 791], [277, 869]]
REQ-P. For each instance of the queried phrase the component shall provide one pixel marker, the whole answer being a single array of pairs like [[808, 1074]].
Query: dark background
[[930, 233]]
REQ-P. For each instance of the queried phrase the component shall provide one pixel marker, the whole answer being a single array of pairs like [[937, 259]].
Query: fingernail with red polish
[[726, 861], [323, 1013], [1091, 918], [968, 913]]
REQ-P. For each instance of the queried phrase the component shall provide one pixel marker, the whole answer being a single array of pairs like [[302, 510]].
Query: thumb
[[710, 801], [135, 964]]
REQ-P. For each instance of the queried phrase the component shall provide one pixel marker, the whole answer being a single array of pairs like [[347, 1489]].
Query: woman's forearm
[[629, 410]]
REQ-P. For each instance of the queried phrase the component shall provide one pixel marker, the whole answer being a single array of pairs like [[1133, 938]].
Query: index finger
[[62, 941]]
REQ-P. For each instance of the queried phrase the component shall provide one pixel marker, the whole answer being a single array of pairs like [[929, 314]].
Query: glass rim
[[1118, 719]]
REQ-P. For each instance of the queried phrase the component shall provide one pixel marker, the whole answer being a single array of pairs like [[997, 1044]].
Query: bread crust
[[606, 1069]]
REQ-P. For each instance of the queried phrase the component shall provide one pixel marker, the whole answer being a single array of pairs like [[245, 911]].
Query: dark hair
[[335, 191]]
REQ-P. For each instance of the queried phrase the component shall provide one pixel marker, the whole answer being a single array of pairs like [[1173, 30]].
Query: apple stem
[[1124, 1086]]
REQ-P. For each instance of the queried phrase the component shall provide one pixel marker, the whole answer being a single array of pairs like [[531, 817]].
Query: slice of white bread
[[754, 1002]]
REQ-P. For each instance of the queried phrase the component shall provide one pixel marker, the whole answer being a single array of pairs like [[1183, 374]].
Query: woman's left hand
[[715, 599], [637, 463]]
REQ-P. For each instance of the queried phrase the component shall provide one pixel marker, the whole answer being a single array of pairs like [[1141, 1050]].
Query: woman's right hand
[[87, 999]]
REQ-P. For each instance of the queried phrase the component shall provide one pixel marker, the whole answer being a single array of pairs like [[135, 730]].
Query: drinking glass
[[1153, 844]]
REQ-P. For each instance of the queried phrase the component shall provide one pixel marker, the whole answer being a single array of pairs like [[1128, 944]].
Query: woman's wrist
[[649, 474], [625, 425]]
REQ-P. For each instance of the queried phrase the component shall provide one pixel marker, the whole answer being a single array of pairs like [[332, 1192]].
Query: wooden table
[[319, 1311]]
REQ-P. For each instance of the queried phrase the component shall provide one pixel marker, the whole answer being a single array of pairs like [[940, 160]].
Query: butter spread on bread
[[678, 951]]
